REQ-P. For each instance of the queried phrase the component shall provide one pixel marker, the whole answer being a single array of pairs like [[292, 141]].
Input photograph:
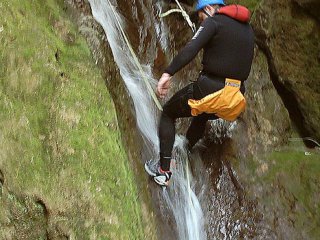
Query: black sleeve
[[207, 29]]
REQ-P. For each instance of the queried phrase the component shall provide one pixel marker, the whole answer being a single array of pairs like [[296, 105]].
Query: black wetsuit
[[228, 52]]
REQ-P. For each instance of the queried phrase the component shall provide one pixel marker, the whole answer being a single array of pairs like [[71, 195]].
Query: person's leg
[[196, 129], [176, 107], [166, 136], [201, 88]]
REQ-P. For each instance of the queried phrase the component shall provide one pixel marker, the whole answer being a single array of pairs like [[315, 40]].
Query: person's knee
[[167, 112]]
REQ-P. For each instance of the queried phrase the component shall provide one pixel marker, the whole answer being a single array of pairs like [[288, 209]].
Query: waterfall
[[180, 197]]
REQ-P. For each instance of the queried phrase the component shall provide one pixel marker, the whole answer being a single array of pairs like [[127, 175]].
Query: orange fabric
[[227, 103]]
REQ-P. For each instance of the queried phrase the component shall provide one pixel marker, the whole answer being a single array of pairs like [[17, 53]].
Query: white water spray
[[180, 196], [144, 107]]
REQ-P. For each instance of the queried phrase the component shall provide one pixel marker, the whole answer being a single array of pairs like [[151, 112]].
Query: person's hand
[[163, 85]]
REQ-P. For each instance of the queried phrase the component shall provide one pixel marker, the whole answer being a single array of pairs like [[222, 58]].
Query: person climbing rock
[[227, 40]]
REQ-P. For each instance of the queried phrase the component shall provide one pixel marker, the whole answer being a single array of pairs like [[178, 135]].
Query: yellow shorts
[[227, 103]]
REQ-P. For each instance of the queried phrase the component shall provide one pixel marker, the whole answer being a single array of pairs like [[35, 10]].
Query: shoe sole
[[161, 182]]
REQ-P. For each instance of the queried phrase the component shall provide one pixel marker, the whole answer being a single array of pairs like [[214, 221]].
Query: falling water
[[180, 197]]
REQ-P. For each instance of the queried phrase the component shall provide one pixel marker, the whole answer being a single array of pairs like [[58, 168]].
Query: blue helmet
[[202, 3]]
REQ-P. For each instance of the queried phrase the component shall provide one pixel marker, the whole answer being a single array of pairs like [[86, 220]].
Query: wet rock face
[[311, 6], [188, 2], [283, 87], [289, 36], [266, 118]]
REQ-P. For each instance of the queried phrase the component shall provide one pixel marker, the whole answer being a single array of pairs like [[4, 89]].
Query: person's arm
[[207, 29], [205, 32]]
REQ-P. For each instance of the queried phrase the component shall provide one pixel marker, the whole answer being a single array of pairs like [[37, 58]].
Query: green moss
[[290, 179], [300, 174], [59, 137]]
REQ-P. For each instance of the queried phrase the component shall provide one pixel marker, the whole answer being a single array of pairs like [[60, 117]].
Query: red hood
[[236, 12]]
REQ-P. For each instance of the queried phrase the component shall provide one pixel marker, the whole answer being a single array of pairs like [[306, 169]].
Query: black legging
[[177, 107]]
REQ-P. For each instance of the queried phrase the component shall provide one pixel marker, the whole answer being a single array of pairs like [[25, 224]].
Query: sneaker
[[159, 176]]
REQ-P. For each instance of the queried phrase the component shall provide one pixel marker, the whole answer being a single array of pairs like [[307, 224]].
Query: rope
[[305, 138], [184, 14], [144, 77], [169, 12]]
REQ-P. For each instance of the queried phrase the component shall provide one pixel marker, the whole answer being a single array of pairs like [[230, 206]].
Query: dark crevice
[[57, 55], [1, 182], [288, 98], [45, 210], [44, 207], [1, 178]]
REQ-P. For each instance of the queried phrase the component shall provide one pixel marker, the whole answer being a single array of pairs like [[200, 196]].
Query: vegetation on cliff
[[63, 169]]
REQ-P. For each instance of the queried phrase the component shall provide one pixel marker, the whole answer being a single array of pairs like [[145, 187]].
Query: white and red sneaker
[[159, 176]]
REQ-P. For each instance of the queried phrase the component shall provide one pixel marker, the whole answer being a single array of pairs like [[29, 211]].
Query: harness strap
[[232, 83]]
